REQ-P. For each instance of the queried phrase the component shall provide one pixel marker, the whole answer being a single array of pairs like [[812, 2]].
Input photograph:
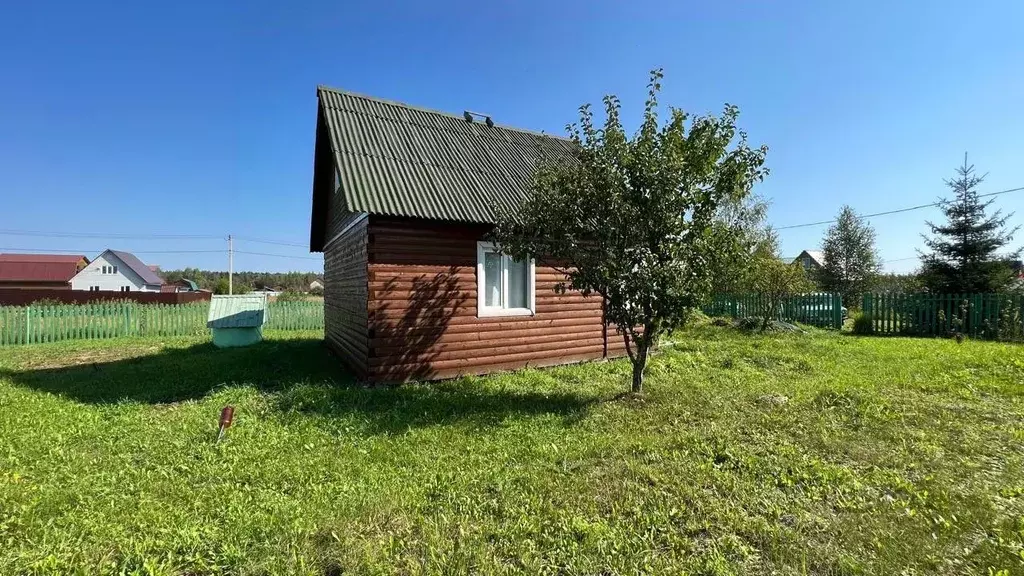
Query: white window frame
[[483, 311]]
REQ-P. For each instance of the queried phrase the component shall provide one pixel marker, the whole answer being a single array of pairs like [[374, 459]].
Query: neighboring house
[[812, 260], [181, 285], [117, 271], [316, 285], [403, 199], [39, 270]]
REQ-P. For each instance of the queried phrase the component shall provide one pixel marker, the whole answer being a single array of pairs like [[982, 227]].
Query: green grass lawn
[[788, 454]]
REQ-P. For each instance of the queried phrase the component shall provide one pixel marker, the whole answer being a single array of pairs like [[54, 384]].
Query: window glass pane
[[518, 289], [492, 279]]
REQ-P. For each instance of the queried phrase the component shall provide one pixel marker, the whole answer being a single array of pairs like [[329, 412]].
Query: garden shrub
[[863, 323], [291, 296]]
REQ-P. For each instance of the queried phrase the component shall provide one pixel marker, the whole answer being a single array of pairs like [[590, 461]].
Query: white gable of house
[[108, 273]]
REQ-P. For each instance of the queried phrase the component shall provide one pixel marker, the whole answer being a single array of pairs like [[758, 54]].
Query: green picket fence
[[988, 316], [822, 309], [38, 324], [295, 316]]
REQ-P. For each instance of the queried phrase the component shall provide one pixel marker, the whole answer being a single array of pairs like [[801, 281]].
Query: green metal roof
[[398, 160], [237, 311]]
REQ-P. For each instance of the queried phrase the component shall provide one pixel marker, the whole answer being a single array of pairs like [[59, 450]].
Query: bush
[[863, 323], [46, 302], [291, 296], [749, 323], [221, 287]]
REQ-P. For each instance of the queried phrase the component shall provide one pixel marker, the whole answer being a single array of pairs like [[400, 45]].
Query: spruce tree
[[965, 253]]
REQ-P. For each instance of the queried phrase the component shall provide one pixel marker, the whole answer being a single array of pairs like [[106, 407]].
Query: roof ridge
[[323, 88], [137, 265]]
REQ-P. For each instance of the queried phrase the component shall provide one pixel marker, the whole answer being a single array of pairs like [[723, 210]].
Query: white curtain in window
[[492, 279]]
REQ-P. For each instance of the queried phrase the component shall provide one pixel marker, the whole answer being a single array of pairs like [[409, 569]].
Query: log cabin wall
[[345, 297], [422, 309]]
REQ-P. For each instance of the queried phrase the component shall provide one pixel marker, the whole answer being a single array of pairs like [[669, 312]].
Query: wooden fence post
[[837, 311]]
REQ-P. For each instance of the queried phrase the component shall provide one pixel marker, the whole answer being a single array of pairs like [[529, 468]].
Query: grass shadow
[[306, 379], [396, 409], [177, 374]]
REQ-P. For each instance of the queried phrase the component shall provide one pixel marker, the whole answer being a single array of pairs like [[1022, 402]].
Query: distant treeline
[[209, 279]]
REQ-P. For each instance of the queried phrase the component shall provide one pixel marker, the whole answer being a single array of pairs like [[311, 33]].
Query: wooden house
[[811, 260], [403, 199]]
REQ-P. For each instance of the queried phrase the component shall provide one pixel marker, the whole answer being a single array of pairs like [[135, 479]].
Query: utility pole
[[231, 265]]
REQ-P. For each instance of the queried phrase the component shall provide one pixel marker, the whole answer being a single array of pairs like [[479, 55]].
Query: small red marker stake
[[227, 414]]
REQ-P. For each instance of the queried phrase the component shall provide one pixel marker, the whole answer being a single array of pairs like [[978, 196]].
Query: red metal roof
[[38, 267], [72, 258]]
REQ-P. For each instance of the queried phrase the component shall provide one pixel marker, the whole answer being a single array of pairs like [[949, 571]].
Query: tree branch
[[628, 338]]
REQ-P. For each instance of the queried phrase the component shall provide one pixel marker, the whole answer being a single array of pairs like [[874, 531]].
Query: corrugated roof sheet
[[133, 262], [398, 160], [237, 311], [38, 267], [65, 258]]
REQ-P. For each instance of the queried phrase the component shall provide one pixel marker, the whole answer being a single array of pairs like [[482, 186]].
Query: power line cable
[[30, 250], [901, 259], [113, 235], [886, 213], [274, 242], [96, 235], [276, 255]]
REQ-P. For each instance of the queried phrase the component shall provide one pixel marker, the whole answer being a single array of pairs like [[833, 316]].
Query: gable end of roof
[[393, 159]]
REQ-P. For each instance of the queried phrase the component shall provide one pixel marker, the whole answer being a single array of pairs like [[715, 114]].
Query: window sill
[[497, 312]]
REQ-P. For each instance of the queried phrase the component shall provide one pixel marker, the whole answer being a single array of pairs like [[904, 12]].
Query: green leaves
[[633, 219], [773, 279], [851, 260]]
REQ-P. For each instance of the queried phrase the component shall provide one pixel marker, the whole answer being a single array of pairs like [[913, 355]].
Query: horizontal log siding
[[345, 294], [423, 305]]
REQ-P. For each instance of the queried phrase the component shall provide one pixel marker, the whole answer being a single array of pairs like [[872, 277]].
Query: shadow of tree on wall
[[304, 380], [408, 345]]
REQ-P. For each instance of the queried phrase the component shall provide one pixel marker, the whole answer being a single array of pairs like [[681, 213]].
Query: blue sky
[[197, 118]]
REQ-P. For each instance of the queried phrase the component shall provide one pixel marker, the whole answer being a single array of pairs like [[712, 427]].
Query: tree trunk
[[768, 317], [639, 363]]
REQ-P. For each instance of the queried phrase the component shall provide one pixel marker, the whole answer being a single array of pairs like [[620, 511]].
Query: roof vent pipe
[[468, 115]]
